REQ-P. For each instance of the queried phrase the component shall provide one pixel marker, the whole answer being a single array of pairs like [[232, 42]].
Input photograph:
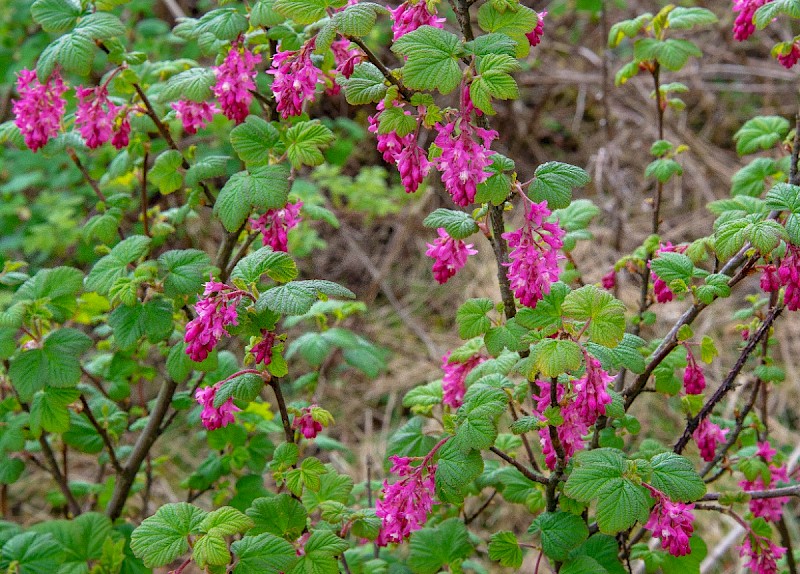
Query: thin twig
[[535, 477], [60, 479], [143, 198], [103, 434], [387, 73], [275, 383]]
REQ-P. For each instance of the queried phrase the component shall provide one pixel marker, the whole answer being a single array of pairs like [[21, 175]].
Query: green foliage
[[431, 59], [760, 133], [554, 181], [560, 532], [446, 544]]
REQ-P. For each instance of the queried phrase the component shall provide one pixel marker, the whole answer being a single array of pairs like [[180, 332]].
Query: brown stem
[[555, 477], [143, 199], [793, 490], [525, 440], [60, 479], [500, 248], [92, 183], [483, 507], [275, 383], [225, 251], [535, 477], [786, 542], [103, 434]]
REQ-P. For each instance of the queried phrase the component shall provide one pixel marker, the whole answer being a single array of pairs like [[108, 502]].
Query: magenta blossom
[[39, 108], [235, 79], [402, 151], [671, 522], [296, 79], [534, 255], [770, 281], [262, 351], [790, 59], [789, 274], [660, 288], [570, 432], [609, 280], [194, 115], [743, 26], [215, 311], [95, 115], [770, 509], [535, 35], [306, 424], [694, 381], [591, 391], [449, 254], [708, 435], [121, 137], [215, 417], [762, 554], [455, 374], [274, 225], [411, 15]]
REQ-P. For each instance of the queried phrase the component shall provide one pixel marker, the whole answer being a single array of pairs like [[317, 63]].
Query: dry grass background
[[569, 111]]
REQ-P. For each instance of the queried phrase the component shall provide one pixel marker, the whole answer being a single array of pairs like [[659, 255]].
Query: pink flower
[[345, 58], [39, 108], [121, 136], [770, 509], [406, 503], [464, 158], [591, 391], [789, 274], [194, 115], [411, 15], [743, 26], [789, 60], [235, 79], [296, 79], [609, 280], [707, 436], [534, 255], [306, 424], [95, 115], [413, 165], [262, 351], [274, 225], [694, 381], [765, 451], [535, 35], [770, 281], [215, 311], [450, 255], [671, 522], [455, 374], [570, 432], [215, 417], [660, 288], [762, 554]]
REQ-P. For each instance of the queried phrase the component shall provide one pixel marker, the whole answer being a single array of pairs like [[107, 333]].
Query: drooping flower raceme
[[455, 373], [296, 79], [694, 381], [274, 225], [770, 281], [591, 391], [789, 59], [789, 274], [743, 26], [194, 115], [306, 424], [449, 254], [762, 554], [402, 151], [405, 504], [770, 509], [708, 435], [671, 522], [215, 311], [40, 107], [95, 115], [235, 79], [660, 288], [412, 14], [535, 35], [215, 417], [609, 280], [121, 136], [262, 351], [534, 256], [570, 432]]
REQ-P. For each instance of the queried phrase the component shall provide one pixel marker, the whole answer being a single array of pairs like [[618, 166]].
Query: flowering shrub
[[149, 322]]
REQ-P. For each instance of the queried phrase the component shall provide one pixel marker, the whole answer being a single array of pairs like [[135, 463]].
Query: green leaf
[[108, 269], [688, 564], [49, 410], [561, 532], [11, 470], [620, 506], [304, 142], [458, 224], [264, 14], [606, 315], [55, 364], [225, 24], [278, 266], [364, 86], [509, 336], [671, 53], [162, 538], [226, 521], [31, 553], [281, 515], [56, 289], [750, 180], [56, 16], [681, 18], [301, 11], [471, 317], [729, 238], [101, 26], [446, 544], [74, 52], [594, 471], [554, 181], [320, 551], [491, 44], [297, 297], [193, 84], [185, 271], [395, 119], [357, 20], [627, 29], [674, 475], [663, 169], [784, 197], [513, 23], [409, 439], [245, 387], [602, 548], [264, 553], [761, 132], [424, 395], [671, 267], [770, 11], [582, 564], [165, 172], [554, 357], [210, 550], [455, 470], [476, 419], [765, 235], [253, 140], [504, 548], [153, 319], [494, 81], [431, 59], [263, 187]]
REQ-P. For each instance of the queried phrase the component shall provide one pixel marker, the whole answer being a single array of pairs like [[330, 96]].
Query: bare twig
[[103, 434], [535, 477], [60, 479], [275, 383]]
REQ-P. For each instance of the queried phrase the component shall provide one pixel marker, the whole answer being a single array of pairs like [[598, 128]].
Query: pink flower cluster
[[345, 59], [789, 60], [215, 417], [535, 35], [235, 79], [455, 373], [406, 503], [411, 15], [743, 26], [609, 280], [534, 256], [660, 288], [296, 79], [450, 255], [40, 107], [786, 275], [95, 115], [465, 155], [194, 115], [402, 151], [694, 381], [121, 136], [306, 424], [708, 435], [770, 509], [671, 522], [262, 351], [579, 410], [762, 554], [215, 311], [274, 225]]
